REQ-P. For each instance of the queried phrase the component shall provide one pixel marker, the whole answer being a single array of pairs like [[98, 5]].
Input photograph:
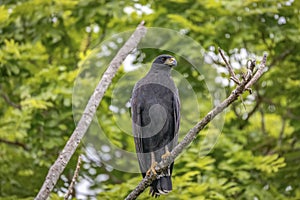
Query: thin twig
[[259, 72], [289, 113], [71, 186], [263, 123], [9, 102], [229, 68], [57, 168], [283, 121], [191, 135], [24, 146], [249, 114], [282, 56]]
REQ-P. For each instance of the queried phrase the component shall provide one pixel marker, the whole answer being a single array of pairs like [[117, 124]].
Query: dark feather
[[155, 112]]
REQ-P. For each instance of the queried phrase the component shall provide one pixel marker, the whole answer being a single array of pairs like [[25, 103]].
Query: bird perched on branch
[[155, 110]]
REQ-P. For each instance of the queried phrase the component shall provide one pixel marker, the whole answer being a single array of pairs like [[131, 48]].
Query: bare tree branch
[[249, 114], [263, 122], [8, 101], [191, 135], [229, 68], [14, 143], [259, 72], [280, 138], [57, 168], [282, 56], [289, 113], [258, 101], [71, 186]]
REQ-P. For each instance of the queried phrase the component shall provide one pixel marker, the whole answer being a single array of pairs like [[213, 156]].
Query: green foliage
[[43, 44]]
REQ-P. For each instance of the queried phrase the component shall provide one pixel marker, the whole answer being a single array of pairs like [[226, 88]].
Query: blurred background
[[52, 53]]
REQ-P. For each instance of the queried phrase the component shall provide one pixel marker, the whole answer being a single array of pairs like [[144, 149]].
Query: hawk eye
[[163, 59]]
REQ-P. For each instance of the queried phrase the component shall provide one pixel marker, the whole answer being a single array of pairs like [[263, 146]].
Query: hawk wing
[[155, 117]]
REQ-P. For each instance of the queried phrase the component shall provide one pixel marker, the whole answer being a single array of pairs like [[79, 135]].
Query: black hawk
[[155, 110]]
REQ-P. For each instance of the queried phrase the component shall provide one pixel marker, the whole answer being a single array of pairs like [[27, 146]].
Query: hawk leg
[[167, 154], [153, 165]]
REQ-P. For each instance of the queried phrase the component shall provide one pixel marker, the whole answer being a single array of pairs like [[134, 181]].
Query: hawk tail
[[162, 185]]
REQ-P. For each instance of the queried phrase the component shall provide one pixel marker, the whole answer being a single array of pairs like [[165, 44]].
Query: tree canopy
[[52, 54]]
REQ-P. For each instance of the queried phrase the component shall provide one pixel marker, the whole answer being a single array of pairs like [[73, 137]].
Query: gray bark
[[57, 168]]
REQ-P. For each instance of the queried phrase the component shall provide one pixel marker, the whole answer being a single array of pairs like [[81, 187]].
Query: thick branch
[[57, 168], [191, 135]]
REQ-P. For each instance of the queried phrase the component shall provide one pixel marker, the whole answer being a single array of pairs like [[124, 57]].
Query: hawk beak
[[171, 62]]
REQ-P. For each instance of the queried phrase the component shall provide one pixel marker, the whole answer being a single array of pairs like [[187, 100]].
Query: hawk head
[[166, 60]]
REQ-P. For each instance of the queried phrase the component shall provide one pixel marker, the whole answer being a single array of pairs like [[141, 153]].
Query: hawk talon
[[152, 169], [166, 155]]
